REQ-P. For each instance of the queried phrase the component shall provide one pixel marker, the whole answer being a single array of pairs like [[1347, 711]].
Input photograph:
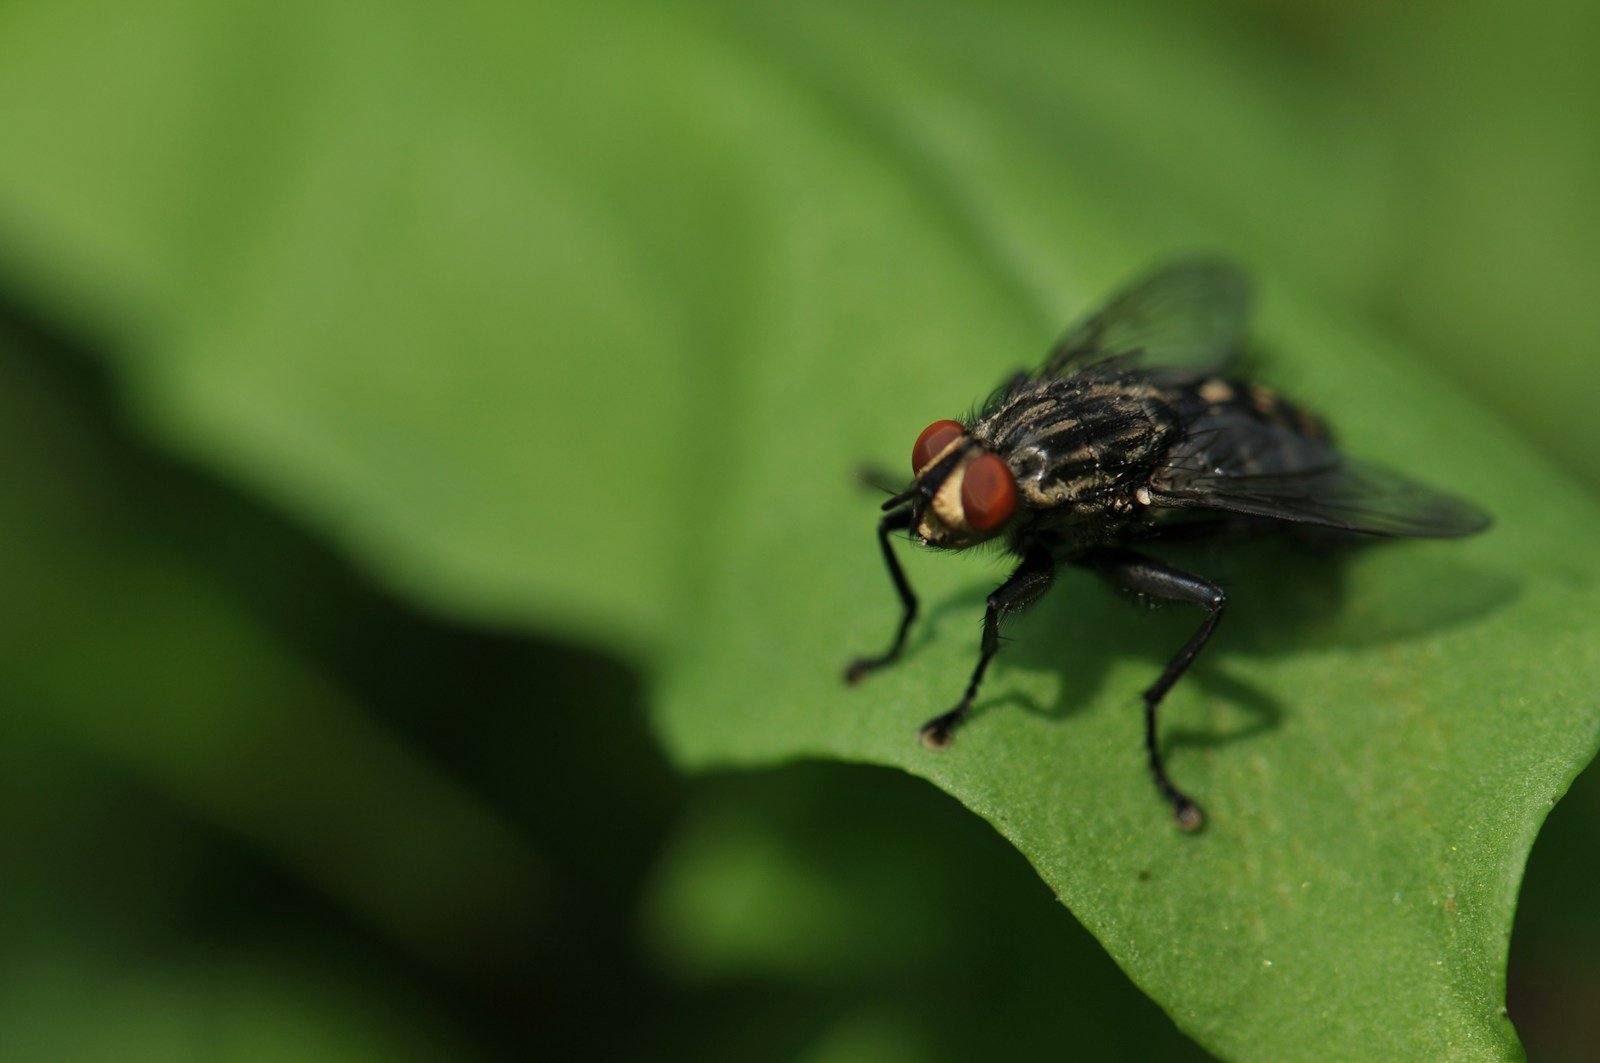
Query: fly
[[1134, 431]]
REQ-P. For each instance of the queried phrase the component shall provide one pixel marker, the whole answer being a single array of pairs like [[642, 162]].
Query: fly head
[[963, 493]]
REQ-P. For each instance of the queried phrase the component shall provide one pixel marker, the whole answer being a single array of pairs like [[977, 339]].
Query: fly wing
[[1189, 315], [1266, 470]]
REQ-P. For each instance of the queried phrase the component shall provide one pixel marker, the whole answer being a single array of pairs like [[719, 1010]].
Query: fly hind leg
[[1145, 576], [1021, 589]]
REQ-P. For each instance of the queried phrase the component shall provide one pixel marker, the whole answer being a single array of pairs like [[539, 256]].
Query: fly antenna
[[901, 499], [877, 478]]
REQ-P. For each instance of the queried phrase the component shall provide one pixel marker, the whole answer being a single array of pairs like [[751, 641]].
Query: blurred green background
[[349, 357]]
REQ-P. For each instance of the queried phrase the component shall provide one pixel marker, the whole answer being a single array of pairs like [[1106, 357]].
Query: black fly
[[1134, 431]]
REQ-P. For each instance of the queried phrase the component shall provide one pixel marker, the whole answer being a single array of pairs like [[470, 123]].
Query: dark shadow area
[[888, 899], [1265, 713], [1289, 592], [1553, 981]]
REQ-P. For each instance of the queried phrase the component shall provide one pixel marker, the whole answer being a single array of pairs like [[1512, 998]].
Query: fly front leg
[[1024, 587], [896, 521], [1146, 576]]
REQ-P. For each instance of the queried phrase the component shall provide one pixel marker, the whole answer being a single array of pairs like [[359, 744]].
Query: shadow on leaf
[[1286, 596]]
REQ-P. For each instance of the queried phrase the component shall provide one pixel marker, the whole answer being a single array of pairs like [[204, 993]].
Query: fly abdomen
[[1257, 403], [1246, 428]]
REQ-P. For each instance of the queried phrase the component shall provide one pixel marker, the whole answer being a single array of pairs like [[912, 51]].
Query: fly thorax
[[1034, 476]]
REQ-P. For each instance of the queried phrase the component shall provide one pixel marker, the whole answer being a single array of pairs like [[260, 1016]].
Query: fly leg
[[1024, 587], [1145, 576], [896, 521]]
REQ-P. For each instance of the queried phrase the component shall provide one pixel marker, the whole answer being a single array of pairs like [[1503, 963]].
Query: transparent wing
[[1187, 315], [1268, 471]]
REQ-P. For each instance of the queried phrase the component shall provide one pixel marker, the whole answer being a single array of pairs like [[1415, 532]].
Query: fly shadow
[[1286, 594]]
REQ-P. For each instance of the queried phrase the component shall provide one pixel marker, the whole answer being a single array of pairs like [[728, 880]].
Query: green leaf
[[581, 319]]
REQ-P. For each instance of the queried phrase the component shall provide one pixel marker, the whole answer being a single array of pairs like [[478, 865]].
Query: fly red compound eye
[[988, 493], [932, 441]]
